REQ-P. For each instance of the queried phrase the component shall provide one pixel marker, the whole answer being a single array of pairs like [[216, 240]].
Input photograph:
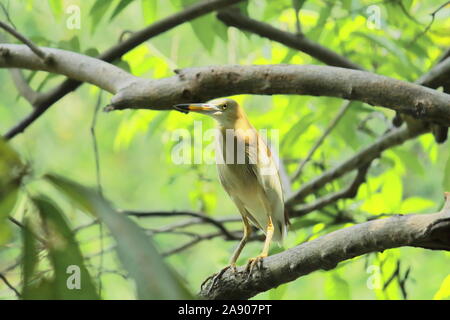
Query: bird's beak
[[196, 107]]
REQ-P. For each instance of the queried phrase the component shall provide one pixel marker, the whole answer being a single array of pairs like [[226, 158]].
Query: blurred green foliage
[[135, 152]]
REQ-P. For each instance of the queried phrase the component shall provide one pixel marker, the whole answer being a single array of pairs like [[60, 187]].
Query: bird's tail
[[280, 228], [280, 231]]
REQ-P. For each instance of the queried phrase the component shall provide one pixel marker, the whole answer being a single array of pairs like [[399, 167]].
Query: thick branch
[[73, 65], [430, 231], [203, 83]]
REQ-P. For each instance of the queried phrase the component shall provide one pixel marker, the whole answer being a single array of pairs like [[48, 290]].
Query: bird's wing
[[269, 178]]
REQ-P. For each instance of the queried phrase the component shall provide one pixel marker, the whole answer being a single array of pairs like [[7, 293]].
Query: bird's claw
[[216, 277], [257, 261]]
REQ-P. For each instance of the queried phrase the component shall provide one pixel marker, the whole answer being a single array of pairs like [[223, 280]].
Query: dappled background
[[134, 147]]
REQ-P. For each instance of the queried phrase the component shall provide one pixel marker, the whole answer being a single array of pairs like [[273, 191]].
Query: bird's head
[[225, 111]]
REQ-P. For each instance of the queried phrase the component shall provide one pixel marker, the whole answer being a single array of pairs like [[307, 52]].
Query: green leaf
[[42, 289], [444, 291], [274, 9], [11, 173], [71, 45], [122, 5], [56, 7], [278, 292], [204, 31], [206, 28], [153, 278], [47, 78], [97, 12], [410, 160], [64, 254], [392, 191], [7, 203], [29, 263], [149, 10], [446, 180], [157, 122], [415, 205], [336, 288], [324, 13], [347, 128], [409, 69], [291, 137], [79, 195], [303, 223], [123, 65], [92, 52]]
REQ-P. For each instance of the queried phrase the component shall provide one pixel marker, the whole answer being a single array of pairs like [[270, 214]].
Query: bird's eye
[[224, 106]]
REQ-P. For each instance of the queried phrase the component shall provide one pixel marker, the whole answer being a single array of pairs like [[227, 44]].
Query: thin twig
[[9, 285], [6, 13], [433, 14], [41, 54], [349, 192], [205, 218], [20, 225], [319, 142], [389, 140]]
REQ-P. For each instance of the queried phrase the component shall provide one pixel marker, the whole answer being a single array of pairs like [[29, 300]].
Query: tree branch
[[393, 138], [204, 83], [117, 51], [73, 65], [349, 192], [219, 225], [9, 285], [429, 231], [233, 18]]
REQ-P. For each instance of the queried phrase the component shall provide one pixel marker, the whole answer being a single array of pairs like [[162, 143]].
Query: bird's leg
[[254, 261], [242, 243], [235, 256]]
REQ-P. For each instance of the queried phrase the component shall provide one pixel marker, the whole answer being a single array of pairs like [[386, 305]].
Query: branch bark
[[204, 83], [73, 65], [429, 231]]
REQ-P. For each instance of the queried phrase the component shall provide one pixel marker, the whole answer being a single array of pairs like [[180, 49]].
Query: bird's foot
[[253, 262], [216, 277]]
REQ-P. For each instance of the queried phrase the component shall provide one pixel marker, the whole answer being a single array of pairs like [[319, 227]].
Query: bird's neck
[[239, 122]]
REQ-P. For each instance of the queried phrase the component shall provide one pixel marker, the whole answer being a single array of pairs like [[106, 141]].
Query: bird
[[249, 175]]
